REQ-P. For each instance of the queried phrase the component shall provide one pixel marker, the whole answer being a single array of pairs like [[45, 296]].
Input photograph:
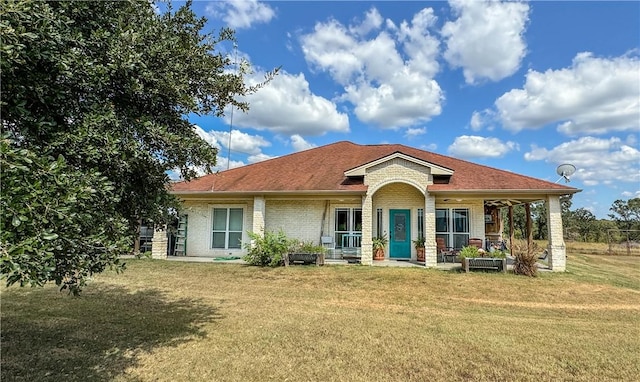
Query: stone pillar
[[367, 230], [259, 207], [430, 246], [159, 243], [557, 250]]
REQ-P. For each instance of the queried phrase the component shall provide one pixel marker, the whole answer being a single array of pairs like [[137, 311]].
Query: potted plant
[[419, 244], [379, 244]]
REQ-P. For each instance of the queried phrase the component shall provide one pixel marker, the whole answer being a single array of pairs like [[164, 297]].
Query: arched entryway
[[398, 214]]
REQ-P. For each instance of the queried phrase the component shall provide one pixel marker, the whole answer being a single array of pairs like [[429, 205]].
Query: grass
[[170, 321]]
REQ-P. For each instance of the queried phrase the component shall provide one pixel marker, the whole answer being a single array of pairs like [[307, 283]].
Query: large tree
[[626, 213], [94, 114]]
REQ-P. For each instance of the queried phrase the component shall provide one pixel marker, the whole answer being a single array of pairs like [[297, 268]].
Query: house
[[352, 193]]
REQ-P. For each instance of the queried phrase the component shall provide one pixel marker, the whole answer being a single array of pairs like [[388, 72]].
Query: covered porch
[[402, 212]]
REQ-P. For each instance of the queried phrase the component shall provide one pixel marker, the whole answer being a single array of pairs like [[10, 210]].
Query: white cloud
[[241, 13], [592, 96], [287, 105], [240, 142], [471, 146], [597, 160], [476, 121], [414, 132], [224, 164], [259, 157], [486, 40], [388, 77], [429, 147], [208, 136], [371, 22], [299, 144]]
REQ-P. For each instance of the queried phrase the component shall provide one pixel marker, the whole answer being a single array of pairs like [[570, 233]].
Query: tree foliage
[[626, 213], [95, 103]]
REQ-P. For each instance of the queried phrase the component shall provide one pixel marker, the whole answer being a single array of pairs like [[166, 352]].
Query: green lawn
[[170, 321]]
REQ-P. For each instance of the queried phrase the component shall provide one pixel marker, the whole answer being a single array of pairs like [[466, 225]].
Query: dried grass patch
[[166, 321]]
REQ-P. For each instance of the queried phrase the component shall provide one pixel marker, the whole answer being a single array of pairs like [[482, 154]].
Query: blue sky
[[518, 86]]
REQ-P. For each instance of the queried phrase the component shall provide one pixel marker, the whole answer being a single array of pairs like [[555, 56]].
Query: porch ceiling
[[500, 203], [492, 202]]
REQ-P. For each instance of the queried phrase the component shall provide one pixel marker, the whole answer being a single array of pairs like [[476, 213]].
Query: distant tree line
[[579, 224]]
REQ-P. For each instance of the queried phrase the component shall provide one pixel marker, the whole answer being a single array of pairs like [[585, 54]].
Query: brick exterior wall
[[159, 243], [299, 219], [199, 226]]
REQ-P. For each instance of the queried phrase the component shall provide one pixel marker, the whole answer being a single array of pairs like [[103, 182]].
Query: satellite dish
[[565, 171]]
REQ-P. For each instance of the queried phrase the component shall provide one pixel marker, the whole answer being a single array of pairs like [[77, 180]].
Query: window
[[453, 225], [348, 222], [227, 228], [379, 222], [421, 222]]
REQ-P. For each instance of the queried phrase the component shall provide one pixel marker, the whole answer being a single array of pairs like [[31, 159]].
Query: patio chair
[[329, 244], [474, 242], [444, 251], [543, 255]]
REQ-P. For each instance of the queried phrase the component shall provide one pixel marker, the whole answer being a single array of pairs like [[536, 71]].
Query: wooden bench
[[484, 263], [304, 258]]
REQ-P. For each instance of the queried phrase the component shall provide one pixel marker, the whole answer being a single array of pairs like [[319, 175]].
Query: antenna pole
[[235, 64]]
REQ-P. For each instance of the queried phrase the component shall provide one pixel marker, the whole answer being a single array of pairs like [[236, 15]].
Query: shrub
[[498, 254], [525, 258], [296, 246], [469, 252], [267, 250]]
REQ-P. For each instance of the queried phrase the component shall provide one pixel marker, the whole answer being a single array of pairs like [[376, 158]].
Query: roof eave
[[552, 191], [271, 192]]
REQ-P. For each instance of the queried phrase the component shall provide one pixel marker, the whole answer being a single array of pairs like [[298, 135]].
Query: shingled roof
[[323, 169]]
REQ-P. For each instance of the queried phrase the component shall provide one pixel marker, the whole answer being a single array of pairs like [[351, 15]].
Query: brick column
[[556, 249], [259, 207], [367, 230], [159, 243], [430, 247]]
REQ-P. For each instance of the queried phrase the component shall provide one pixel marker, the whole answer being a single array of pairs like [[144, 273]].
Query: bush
[[267, 250], [296, 246], [469, 252], [526, 258], [498, 254]]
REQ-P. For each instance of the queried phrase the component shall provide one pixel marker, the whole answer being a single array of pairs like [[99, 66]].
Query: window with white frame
[[348, 222], [421, 222], [452, 224], [227, 228], [379, 231]]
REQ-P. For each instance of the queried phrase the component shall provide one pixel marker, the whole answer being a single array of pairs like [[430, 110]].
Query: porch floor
[[384, 263]]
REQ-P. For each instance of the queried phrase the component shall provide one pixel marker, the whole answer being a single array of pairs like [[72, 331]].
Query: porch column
[[159, 243], [366, 250], [556, 250], [259, 207], [430, 247]]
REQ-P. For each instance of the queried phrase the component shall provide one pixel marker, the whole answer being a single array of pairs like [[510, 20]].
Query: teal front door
[[400, 237]]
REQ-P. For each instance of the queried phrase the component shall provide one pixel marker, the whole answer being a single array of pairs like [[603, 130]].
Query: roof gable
[[362, 169]]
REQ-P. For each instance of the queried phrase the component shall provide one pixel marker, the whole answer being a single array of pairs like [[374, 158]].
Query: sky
[[519, 86]]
